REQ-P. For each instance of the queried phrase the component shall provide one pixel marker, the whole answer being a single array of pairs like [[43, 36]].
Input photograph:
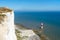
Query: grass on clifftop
[[38, 32], [18, 35]]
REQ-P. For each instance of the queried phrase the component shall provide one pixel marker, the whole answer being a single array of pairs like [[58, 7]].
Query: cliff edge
[[25, 34], [7, 28]]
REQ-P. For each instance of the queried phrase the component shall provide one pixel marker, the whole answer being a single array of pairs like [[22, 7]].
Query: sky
[[37, 5]]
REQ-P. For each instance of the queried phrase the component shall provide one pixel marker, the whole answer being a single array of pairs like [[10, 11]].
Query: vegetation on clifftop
[[18, 35]]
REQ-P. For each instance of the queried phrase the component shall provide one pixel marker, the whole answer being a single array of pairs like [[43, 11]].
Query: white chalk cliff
[[7, 29], [26, 34]]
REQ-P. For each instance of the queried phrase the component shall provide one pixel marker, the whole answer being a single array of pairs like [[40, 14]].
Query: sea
[[33, 19]]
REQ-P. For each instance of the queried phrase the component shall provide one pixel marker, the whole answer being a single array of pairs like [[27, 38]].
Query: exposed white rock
[[27, 34], [7, 29]]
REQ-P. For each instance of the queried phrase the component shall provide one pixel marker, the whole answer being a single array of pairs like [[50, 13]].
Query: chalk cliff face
[[7, 29], [25, 34]]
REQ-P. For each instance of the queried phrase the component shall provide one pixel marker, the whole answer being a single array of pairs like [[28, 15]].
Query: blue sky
[[39, 5]]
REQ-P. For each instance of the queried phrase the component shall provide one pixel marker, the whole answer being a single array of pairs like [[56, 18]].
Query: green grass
[[2, 15], [38, 32], [18, 35]]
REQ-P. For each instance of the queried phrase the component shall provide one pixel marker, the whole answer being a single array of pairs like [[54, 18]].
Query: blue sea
[[32, 19]]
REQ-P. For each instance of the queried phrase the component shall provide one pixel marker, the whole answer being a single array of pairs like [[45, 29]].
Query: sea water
[[32, 19]]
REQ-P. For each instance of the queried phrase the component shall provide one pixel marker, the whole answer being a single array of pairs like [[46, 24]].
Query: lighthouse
[[41, 25]]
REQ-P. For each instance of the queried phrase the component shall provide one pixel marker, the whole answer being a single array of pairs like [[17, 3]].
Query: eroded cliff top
[[4, 10]]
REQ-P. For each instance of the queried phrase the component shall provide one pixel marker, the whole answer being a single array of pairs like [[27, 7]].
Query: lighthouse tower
[[42, 25]]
